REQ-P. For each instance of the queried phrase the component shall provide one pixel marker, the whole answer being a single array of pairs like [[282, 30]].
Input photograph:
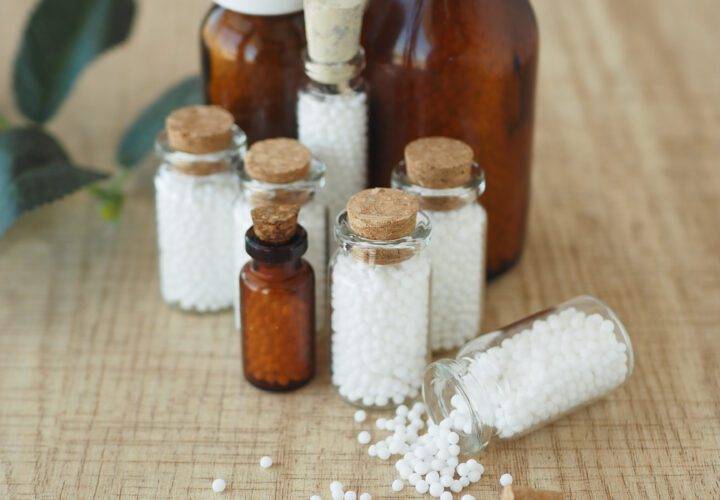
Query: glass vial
[[441, 172], [196, 186], [380, 294], [514, 380], [332, 105], [277, 289], [277, 172], [252, 63]]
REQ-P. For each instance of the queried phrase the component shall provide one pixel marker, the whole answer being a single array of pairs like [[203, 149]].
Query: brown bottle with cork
[[277, 293], [252, 63], [462, 69]]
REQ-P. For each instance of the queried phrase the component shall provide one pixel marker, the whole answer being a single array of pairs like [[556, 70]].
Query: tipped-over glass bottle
[[380, 293], [509, 382], [277, 289]]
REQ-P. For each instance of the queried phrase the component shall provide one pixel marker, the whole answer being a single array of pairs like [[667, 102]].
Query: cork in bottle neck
[[439, 163], [275, 225], [200, 130], [333, 36], [382, 215]]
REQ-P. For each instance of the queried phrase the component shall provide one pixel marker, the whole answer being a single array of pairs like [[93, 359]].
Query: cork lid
[[383, 214], [275, 224], [200, 129], [279, 161], [333, 29], [439, 162]]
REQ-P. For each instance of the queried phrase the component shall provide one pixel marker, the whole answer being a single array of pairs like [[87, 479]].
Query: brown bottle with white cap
[[196, 186], [252, 63]]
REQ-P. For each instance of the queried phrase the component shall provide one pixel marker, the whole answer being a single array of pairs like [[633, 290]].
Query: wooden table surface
[[106, 392]]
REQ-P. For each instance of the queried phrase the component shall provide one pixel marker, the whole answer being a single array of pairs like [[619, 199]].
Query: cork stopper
[[200, 130], [439, 162], [382, 214], [275, 224], [333, 35], [279, 161], [516, 493]]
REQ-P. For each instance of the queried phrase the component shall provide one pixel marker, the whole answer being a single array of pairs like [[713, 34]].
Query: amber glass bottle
[[252, 63], [277, 290], [463, 69]]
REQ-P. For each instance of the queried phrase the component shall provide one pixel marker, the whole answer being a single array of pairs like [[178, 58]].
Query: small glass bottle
[[282, 171], [278, 309], [332, 105], [380, 289], [512, 381], [252, 63], [442, 173], [196, 186]]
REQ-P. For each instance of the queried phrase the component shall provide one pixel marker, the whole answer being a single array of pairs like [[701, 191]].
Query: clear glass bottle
[[278, 314], [509, 382], [195, 193], [457, 253], [380, 301], [307, 193], [332, 105]]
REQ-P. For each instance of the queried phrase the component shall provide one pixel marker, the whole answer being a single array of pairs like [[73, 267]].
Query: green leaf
[[139, 138], [4, 122], [34, 170], [61, 38]]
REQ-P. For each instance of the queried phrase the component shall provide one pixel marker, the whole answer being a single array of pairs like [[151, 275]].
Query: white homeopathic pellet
[[360, 416], [315, 497], [364, 437], [266, 462], [194, 244], [218, 485], [467, 497], [426, 452], [350, 495], [542, 372], [506, 479], [334, 127], [365, 496]]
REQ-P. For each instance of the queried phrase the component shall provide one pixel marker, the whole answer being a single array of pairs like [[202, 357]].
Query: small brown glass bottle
[[252, 63], [277, 291]]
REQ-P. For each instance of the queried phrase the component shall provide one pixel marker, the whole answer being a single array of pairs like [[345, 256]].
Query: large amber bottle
[[252, 63], [464, 69]]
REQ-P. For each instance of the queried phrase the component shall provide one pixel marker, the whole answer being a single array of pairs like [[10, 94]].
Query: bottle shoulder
[[225, 27]]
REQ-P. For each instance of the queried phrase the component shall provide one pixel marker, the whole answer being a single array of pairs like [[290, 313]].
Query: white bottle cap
[[262, 7]]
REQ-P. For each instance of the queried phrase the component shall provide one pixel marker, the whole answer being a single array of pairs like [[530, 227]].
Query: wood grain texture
[[105, 392]]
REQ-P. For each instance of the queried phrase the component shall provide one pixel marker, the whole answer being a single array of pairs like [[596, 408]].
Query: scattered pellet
[[218, 486]]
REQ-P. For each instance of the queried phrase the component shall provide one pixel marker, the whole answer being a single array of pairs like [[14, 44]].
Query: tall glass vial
[[464, 69], [252, 63], [278, 311], [332, 105], [380, 289], [441, 172], [279, 172], [196, 187], [512, 381]]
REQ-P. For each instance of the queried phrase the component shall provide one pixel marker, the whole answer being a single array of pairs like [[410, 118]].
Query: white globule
[[334, 128], [458, 283], [379, 329], [427, 452], [313, 218], [541, 373], [194, 214]]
